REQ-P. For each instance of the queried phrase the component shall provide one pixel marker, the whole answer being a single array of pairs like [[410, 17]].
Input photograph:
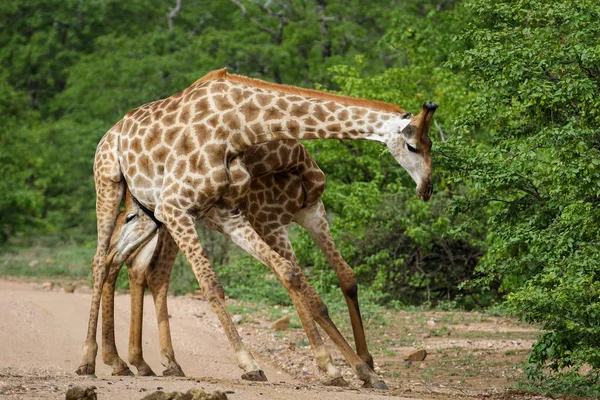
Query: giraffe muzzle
[[425, 190]]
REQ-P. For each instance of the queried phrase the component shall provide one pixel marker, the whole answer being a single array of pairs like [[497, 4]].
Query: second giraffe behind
[[287, 186]]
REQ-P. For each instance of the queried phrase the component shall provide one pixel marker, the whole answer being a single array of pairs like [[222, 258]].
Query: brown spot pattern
[[184, 115]]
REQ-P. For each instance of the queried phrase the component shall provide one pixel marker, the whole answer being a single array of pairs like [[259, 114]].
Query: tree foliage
[[536, 68], [69, 70]]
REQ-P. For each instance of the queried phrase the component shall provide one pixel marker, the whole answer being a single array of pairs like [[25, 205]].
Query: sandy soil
[[41, 333]]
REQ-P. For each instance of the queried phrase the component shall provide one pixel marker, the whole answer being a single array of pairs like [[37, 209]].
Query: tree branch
[[489, 199], [533, 191], [443, 137], [550, 75], [326, 45], [173, 13], [276, 34]]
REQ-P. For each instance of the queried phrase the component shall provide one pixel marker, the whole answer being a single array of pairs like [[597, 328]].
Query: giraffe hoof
[[173, 371], [86, 369], [256, 376], [125, 372], [377, 385], [339, 381], [147, 372]]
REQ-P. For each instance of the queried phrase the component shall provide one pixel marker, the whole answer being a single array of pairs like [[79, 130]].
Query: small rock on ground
[[237, 319], [192, 394], [282, 323], [82, 393], [418, 355], [83, 289]]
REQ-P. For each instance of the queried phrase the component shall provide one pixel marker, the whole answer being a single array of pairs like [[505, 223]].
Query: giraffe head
[[408, 141], [134, 228]]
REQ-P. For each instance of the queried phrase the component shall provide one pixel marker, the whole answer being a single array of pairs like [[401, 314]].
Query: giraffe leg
[[110, 355], [109, 191], [302, 293], [182, 229], [148, 255], [158, 280], [137, 285], [278, 240], [314, 220]]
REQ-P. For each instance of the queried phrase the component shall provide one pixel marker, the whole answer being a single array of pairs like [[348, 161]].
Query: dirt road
[[41, 333]]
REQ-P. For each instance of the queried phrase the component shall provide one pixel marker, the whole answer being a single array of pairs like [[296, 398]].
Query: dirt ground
[[42, 330]]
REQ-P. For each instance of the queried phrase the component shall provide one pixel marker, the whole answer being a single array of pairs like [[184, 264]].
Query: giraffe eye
[[130, 217], [411, 149]]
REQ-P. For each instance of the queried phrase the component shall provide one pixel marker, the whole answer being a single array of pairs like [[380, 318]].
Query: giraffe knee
[[215, 291], [292, 279], [351, 291], [348, 283], [323, 311], [317, 307]]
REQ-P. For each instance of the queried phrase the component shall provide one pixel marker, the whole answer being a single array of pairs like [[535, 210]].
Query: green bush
[[532, 158]]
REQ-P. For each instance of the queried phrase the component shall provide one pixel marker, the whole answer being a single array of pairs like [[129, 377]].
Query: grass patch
[[566, 384], [42, 261], [245, 279], [273, 313], [243, 308], [519, 335]]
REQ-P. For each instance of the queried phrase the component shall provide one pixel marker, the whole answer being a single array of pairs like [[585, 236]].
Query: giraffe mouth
[[425, 190]]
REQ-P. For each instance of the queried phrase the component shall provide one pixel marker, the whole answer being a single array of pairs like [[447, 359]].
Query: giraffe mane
[[315, 94]]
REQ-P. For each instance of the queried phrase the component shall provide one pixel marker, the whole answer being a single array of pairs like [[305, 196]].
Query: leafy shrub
[[533, 159]]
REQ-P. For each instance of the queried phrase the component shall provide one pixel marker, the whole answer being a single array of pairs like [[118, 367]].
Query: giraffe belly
[[145, 189], [148, 197]]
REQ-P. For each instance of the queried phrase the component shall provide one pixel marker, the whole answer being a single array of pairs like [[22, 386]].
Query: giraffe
[[289, 189], [175, 153]]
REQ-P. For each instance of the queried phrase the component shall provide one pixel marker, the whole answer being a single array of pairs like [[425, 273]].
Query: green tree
[[536, 67], [21, 197], [46, 158]]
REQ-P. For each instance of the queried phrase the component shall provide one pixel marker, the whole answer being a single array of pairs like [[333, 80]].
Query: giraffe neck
[[266, 115]]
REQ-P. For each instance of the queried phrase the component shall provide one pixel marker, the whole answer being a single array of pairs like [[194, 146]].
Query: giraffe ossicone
[[174, 155]]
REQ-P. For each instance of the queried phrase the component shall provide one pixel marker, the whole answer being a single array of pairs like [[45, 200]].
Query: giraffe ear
[[406, 120], [407, 129]]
